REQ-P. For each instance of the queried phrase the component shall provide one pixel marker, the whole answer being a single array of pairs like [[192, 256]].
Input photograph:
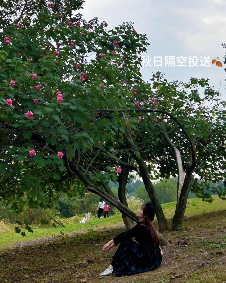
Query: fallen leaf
[[219, 64], [213, 61]]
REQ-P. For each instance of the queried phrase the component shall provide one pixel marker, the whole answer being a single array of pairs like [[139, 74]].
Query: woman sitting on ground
[[138, 256]]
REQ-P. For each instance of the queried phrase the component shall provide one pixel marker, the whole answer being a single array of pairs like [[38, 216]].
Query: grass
[[194, 207]]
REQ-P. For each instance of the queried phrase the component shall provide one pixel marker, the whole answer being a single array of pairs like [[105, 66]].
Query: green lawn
[[194, 206]]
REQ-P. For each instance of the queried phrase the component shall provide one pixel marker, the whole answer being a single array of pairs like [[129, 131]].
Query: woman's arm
[[106, 248]]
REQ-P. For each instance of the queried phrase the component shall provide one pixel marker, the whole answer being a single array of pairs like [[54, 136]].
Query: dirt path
[[196, 254]]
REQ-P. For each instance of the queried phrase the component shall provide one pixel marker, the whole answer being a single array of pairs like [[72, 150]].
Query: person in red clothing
[[106, 209]]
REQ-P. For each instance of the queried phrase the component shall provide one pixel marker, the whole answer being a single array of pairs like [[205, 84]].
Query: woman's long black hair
[[151, 227]]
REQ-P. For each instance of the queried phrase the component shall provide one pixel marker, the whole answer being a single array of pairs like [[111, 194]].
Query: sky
[[188, 28]]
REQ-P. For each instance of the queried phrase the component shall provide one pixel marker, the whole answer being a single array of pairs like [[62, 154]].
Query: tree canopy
[[73, 103]]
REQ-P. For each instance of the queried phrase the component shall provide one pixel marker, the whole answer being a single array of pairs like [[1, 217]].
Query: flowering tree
[[74, 107]]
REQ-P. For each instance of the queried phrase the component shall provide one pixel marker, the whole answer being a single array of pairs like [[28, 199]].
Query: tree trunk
[[181, 206], [162, 221], [122, 196]]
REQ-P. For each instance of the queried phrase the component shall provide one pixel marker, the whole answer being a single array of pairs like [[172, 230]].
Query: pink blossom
[[58, 44], [78, 66], [119, 170], [129, 116], [59, 99], [7, 42], [56, 52], [155, 103], [112, 52], [102, 85], [103, 77], [102, 55], [69, 41], [17, 26], [12, 83], [83, 34], [70, 24], [29, 114], [83, 76], [137, 103], [115, 43], [37, 87], [9, 102], [72, 44], [155, 119], [135, 93], [34, 76], [42, 55], [36, 101], [139, 118], [60, 154], [78, 24], [58, 93], [135, 89], [6, 38], [153, 99], [90, 26], [96, 112], [32, 153]]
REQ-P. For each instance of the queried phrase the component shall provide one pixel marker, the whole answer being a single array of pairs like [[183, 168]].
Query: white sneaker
[[108, 271]]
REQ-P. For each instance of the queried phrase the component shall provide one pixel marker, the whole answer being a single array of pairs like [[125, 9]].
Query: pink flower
[[32, 153], [83, 34], [112, 52], [36, 101], [56, 52], [102, 55], [153, 99], [137, 103], [9, 102], [78, 24], [83, 76], [70, 24], [60, 154], [155, 103], [129, 116], [78, 66], [102, 85], [135, 89], [6, 38], [90, 26], [29, 114], [7, 42], [139, 118], [59, 93], [58, 44], [34, 76], [17, 26], [119, 170], [115, 43], [135, 93], [12, 83], [59, 99], [37, 87], [42, 55], [155, 119], [72, 44]]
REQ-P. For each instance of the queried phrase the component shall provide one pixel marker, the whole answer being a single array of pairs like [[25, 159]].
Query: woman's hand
[[106, 248]]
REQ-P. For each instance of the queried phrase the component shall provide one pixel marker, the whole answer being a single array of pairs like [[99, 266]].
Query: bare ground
[[196, 254]]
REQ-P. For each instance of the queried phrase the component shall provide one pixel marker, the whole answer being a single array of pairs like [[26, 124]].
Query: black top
[[141, 233]]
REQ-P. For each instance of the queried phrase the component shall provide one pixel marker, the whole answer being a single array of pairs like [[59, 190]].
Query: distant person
[[100, 208], [106, 209], [138, 256], [87, 216]]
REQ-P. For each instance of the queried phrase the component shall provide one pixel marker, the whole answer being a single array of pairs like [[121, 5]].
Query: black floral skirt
[[131, 258]]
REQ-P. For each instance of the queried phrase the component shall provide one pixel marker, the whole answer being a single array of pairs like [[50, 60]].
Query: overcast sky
[[174, 28]]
